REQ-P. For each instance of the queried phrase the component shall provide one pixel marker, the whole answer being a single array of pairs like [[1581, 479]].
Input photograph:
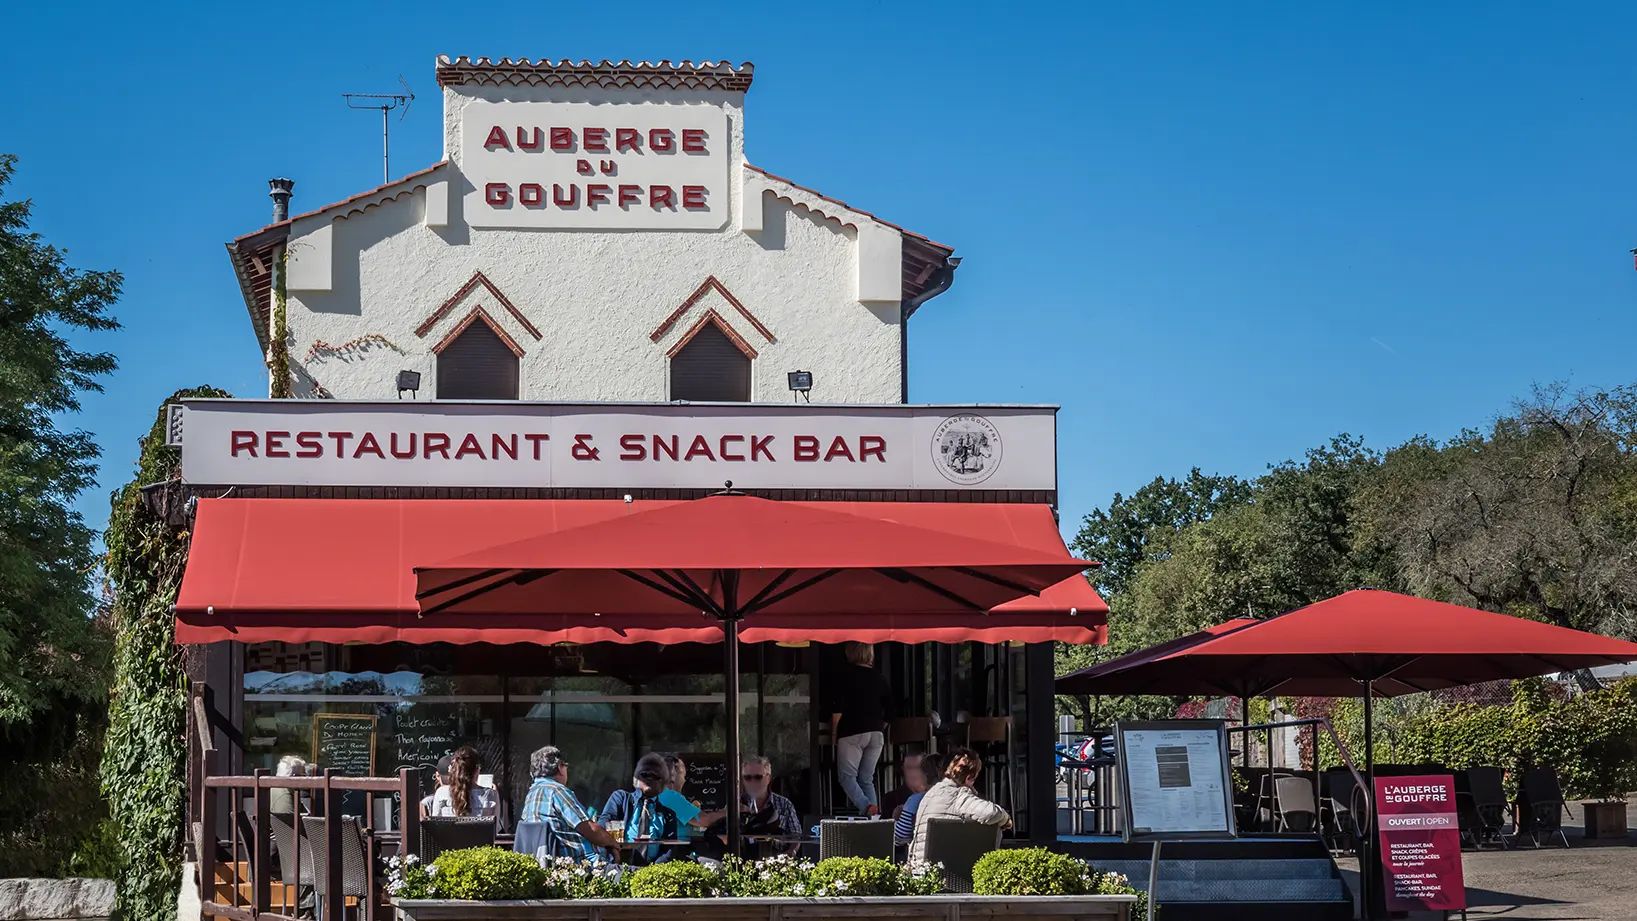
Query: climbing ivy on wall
[[144, 754], [279, 336]]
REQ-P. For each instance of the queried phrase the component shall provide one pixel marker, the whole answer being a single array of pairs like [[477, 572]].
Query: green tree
[[53, 683], [1140, 527]]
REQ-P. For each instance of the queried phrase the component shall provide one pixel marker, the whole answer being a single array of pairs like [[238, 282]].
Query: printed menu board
[[1420, 843], [1174, 777]]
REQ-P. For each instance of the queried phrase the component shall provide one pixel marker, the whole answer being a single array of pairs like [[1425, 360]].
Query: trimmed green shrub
[[677, 879], [1031, 871], [487, 873], [857, 876]]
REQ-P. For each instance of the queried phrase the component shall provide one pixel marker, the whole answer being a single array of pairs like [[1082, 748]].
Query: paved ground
[[1589, 881]]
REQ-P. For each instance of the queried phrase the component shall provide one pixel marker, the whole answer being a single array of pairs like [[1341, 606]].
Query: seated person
[[932, 769], [910, 770], [688, 812], [954, 798], [640, 812], [766, 812], [441, 775], [550, 800], [462, 796]]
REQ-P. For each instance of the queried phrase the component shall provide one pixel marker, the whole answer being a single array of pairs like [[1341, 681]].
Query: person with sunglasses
[[766, 812]]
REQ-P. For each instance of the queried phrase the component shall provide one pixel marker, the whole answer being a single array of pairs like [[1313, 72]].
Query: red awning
[[311, 570]]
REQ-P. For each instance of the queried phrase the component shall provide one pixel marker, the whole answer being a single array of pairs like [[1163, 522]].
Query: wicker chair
[[285, 843], [957, 845], [451, 833], [355, 875], [839, 838]]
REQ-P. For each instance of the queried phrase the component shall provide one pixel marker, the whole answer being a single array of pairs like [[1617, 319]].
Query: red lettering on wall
[[573, 199], [497, 138], [693, 140], [806, 447], [660, 140], [872, 445], [630, 195], [538, 141], [722, 447], [660, 445], [341, 442], [661, 196], [392, 445], [370, 445], [597, 194], [584, 168], [838, 448], [531, 195], [693, 196], [469, 445], [562, 139], [500, 444], [435, 441], [627, 139], [535, 439], [699, 448], [595, 139], [759, 446], [309, 444], [498, 194], [275, 444], [245, 441], [632, 448]]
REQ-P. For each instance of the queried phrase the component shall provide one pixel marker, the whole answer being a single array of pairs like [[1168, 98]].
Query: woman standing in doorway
[[862, 704]]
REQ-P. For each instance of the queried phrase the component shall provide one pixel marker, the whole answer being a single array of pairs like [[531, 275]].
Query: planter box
[[900, 908], [1605, 820]]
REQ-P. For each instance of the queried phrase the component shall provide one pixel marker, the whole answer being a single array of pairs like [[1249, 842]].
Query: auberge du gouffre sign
[[765, 446]]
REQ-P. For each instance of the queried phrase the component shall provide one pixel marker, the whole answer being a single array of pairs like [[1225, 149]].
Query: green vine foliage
[[144, 758], [279, 336]]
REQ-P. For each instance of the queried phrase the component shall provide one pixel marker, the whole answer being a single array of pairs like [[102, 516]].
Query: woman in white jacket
[[954, 798]]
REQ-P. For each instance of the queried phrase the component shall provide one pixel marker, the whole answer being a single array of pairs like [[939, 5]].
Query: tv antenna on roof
[[387, 102]]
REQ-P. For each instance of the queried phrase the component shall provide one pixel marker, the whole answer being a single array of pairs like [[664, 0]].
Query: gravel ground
[[1589, 881]]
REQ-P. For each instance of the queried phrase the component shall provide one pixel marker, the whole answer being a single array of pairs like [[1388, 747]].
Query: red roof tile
[[705, 75]]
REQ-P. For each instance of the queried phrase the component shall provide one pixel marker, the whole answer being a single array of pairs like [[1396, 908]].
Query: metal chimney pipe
[[280, 191]]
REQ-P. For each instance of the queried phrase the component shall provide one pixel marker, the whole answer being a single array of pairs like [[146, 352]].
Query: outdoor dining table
[[622, 849]]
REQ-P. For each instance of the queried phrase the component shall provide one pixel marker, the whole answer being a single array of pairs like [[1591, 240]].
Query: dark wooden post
[[261, 858], [409, 812], [334, 901], [204, 833]]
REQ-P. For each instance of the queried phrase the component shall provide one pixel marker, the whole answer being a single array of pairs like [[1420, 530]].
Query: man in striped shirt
[[550, 800]]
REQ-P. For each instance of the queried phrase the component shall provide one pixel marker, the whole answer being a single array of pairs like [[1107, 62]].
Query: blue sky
[[1217, 234]]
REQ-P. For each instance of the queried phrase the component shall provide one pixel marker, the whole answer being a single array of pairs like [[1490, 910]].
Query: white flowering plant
[[408, 878], [567, 878], [781, 875]]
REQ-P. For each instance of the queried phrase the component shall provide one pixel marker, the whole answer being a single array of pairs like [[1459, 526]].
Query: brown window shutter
[[710, 368], [477, 366]]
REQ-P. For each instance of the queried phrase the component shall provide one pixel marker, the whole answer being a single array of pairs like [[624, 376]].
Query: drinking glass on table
[[617, 829]]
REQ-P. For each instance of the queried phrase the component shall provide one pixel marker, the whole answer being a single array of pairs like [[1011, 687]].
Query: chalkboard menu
[[345, 743], [707, 782]]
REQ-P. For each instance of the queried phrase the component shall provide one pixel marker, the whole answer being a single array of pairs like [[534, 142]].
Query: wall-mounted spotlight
[[801, 382], [410, 381]]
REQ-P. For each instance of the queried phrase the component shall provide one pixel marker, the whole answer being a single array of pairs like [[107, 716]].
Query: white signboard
[[614, 445], [576, 166], [1174, 776]]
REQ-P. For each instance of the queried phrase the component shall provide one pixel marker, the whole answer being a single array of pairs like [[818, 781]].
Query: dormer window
[[478, 361], [709, 366]]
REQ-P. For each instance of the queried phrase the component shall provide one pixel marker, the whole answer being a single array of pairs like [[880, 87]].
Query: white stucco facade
[[802, 282]]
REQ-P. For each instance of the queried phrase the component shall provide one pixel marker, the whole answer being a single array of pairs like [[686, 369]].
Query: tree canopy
[[53, 687]]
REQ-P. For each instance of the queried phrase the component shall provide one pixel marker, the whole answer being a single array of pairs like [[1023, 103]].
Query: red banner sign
[[1420, 841]]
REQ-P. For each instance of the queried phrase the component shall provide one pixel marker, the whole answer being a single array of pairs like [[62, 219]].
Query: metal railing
[[1361, 803]]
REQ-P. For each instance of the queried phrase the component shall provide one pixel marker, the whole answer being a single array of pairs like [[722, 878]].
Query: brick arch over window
[[711, 363], [478, 361]]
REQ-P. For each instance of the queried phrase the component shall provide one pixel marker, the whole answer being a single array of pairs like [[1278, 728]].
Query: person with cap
[[641, 813], [441, 775]]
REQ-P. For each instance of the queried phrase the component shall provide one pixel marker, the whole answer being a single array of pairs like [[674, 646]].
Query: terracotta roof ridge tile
[[351, 199], [838, 202]]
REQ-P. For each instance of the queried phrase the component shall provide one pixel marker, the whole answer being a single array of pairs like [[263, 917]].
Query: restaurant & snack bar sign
[[324, 443]]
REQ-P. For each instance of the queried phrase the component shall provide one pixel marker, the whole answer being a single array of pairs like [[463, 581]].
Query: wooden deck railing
[[234, 842]]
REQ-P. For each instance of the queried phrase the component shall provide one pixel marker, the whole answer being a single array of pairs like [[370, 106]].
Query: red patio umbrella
[[732, 557]]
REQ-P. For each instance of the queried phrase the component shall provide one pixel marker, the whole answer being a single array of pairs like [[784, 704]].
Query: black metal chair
[[1545, 801], [355, 864], [1339, 812], [958, 845], [535, 839], [841, 838], [1297, 810], [1483, 805], [454, 833]]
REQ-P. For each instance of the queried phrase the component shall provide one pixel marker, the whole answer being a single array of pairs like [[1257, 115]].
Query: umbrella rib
[[904, 575], [798, 587], [518, 578], [662, 589], [768, 589], [996, 580], [682, 576], [458, 583]]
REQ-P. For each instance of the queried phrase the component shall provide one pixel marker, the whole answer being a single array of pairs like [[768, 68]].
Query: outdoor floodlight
[[801, 382], [410, 381]]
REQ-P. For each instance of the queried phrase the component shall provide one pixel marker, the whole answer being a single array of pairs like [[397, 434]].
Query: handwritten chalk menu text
[[345, 743], [707, 782], [420, 738]]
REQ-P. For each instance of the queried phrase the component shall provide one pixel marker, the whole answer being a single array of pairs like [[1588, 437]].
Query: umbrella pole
[[1367, 847], [730, 640]]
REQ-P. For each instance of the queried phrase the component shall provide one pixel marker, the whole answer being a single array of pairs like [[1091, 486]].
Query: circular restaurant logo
[[966, 449]]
